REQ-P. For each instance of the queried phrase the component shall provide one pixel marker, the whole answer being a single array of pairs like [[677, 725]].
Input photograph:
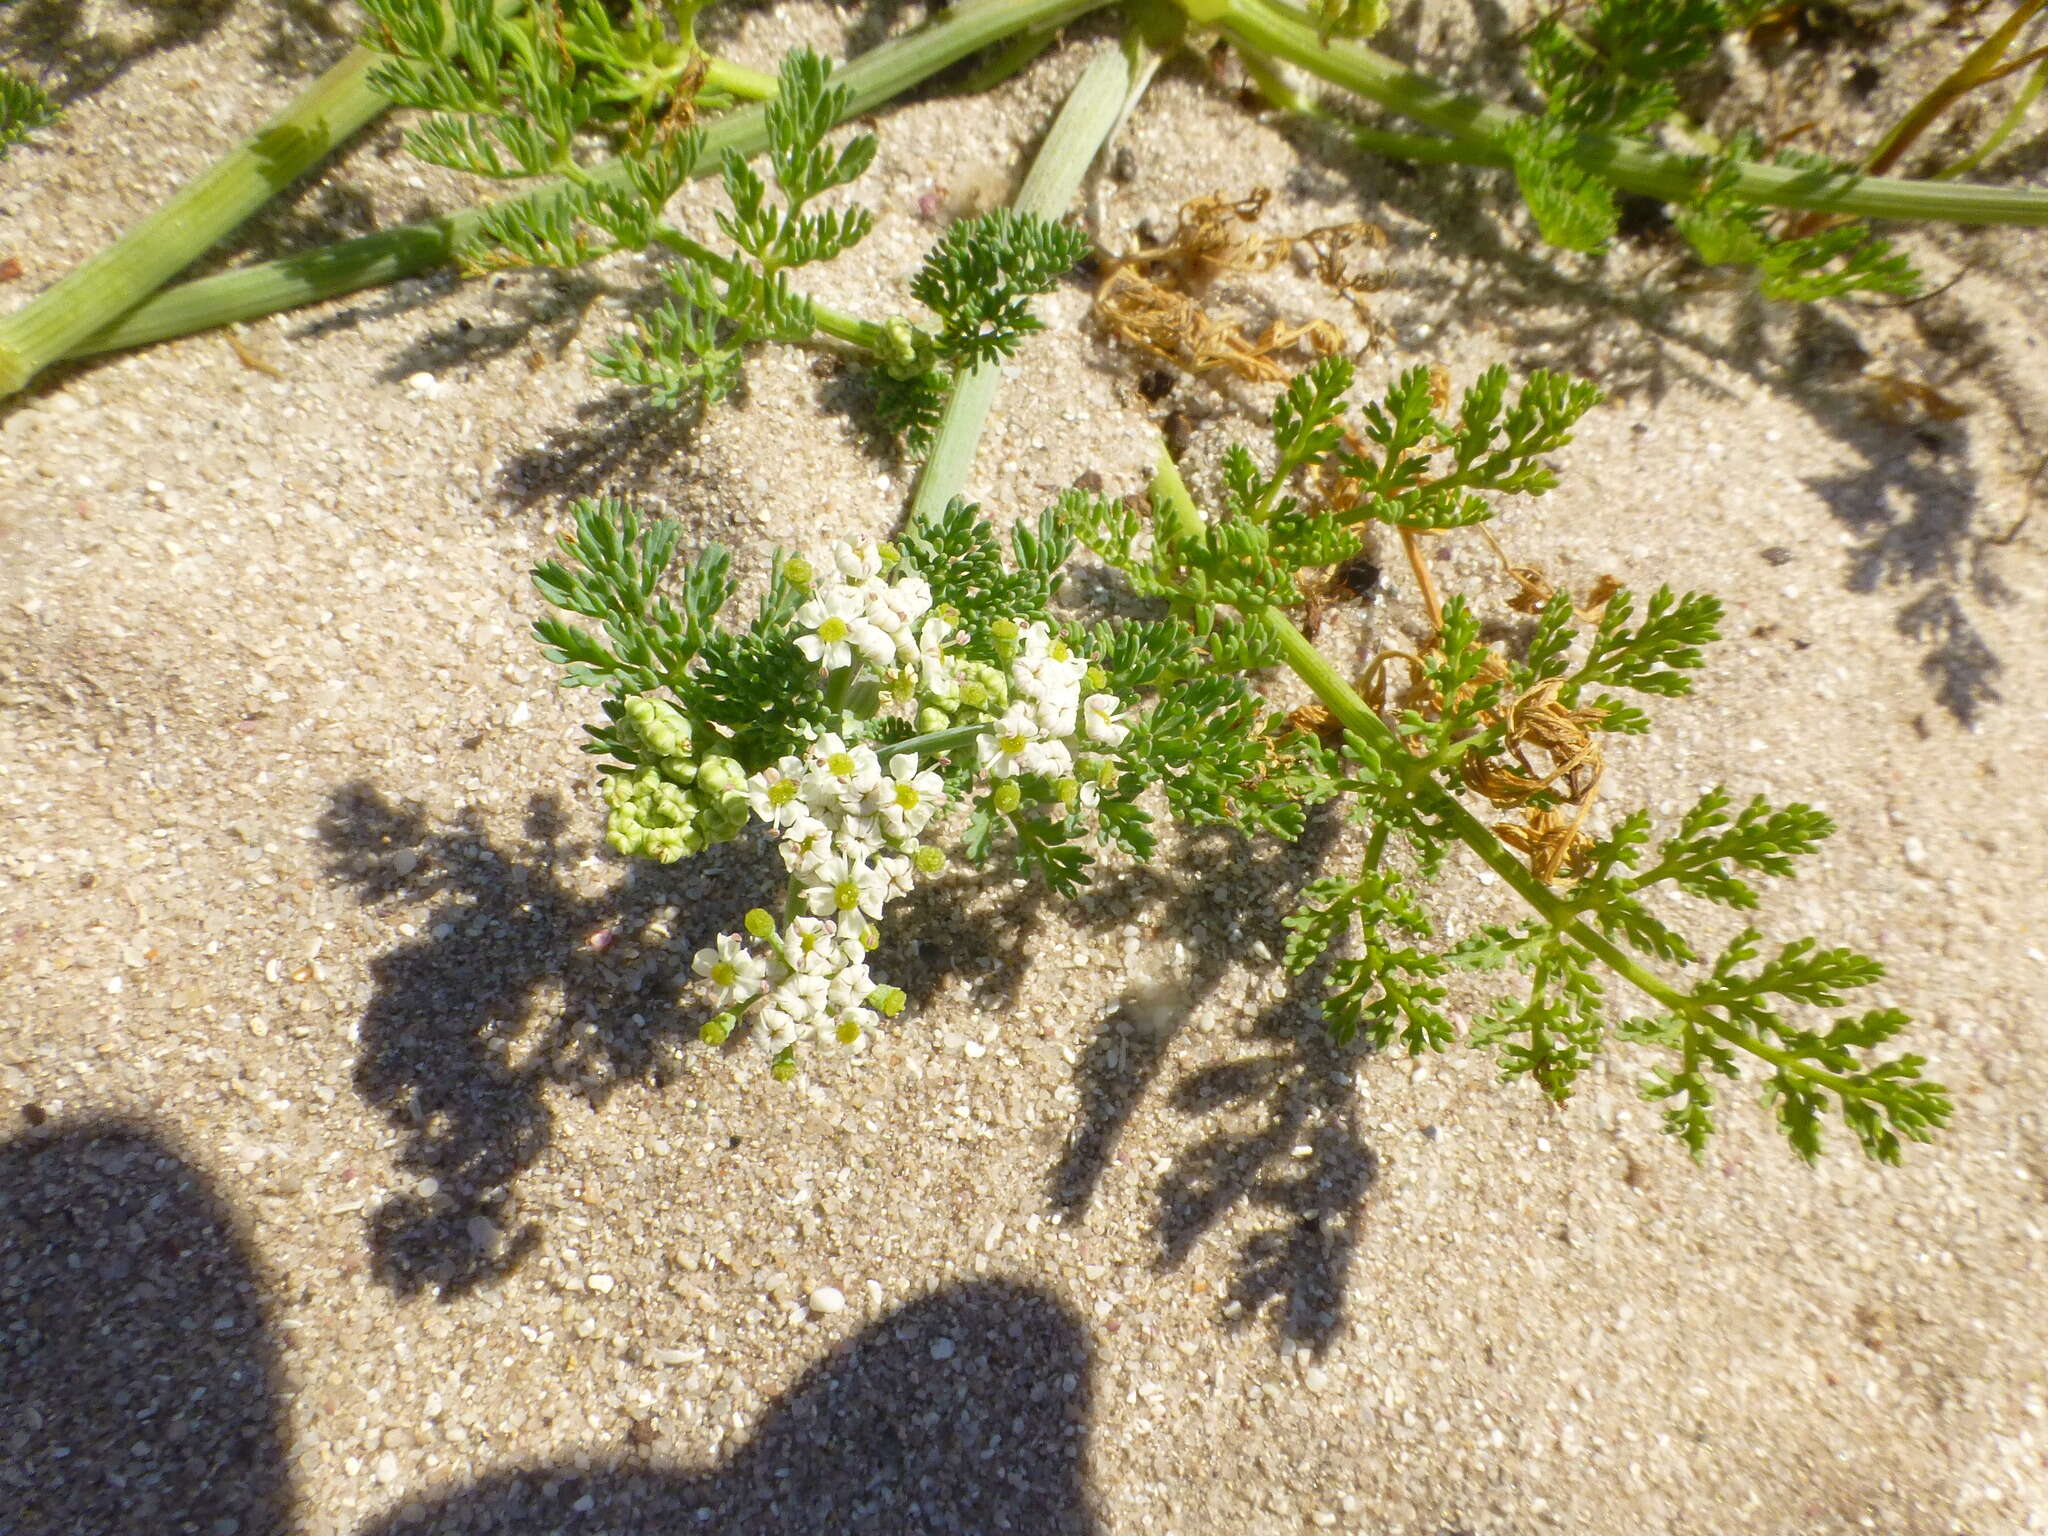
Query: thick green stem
[[57, 321], [1092, 110], [874, 79], [1273, 28], [1178, 516]]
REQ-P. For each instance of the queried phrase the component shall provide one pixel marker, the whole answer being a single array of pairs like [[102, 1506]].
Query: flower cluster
[[854, 613], [1036, 734], [848, 831], [849, 822]]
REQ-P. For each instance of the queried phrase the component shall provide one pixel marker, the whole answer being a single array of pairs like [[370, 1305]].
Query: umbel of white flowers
[[850, 824]]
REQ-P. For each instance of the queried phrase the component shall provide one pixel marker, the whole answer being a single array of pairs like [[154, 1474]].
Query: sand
[[362, 1174]]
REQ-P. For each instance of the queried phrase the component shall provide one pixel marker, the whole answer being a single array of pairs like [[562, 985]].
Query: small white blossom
[[1099, 719], [857, 560], [845, 885], [776, 793], [839, 778], [1003, 751], [905, 801], [734, 969], [835, 619]]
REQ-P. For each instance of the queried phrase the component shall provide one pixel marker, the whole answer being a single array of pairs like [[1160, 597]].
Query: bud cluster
[[675, 802]]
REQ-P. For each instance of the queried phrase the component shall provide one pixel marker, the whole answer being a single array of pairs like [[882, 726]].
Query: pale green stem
[[248, 293], [57, 321], [1284, 32], [738, 80], [1179, 517], [1113, 79]]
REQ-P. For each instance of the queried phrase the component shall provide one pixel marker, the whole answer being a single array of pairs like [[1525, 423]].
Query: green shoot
[[24, 107]]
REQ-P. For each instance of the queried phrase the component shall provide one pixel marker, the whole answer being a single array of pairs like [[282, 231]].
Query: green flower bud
[[760, 924], [898, 352], [1098, 680], [887, 1001], [784, 1068], [929, 859], [931, 718], [982, 687], [717, 1031], [797, 570], [663, 729], [1069, 791], [720, 776], [1007, 796]]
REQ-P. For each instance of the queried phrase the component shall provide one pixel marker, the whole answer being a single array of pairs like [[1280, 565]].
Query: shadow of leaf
[[501, 1002]]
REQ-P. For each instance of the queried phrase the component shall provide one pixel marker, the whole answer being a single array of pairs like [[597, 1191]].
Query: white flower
[[1099, 719], [830, 617], [930, 655], [857, 561], [852, 987], [1003, 750], [734, 969], [906, 800], [898, 876], [840, 778], [776, 793], [792, 1012], [1057, 713], [810, 948], [896, 607], [804, 841], [1050, 758], [845, 885]]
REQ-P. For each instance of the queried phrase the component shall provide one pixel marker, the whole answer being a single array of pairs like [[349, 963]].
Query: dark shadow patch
[[139, 1378], [619, 443], [1291, 1090], [460, 1052], [539, 311], [879, 1437], [1913, 510]]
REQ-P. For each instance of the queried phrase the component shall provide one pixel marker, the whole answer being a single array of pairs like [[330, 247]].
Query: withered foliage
[[1152, 298]]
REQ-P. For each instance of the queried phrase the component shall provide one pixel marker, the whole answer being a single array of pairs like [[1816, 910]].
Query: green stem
[[935, 743], [1176, 511], [59, 320], [865, 334], [1093, 109], [1265, 74], [1271, 27], [738, 80], [875, 78]]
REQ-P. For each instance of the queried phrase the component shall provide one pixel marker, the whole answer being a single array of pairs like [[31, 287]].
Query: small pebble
[[602, 1284], [387, 1467], [942, 1349], [828, 1299]]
